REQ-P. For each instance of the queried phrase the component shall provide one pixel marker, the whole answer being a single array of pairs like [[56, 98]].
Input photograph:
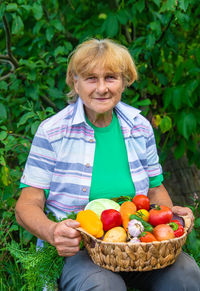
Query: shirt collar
[[125, 112], [79, 114]]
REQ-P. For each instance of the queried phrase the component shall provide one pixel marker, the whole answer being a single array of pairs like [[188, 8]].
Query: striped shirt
[[62, 154]]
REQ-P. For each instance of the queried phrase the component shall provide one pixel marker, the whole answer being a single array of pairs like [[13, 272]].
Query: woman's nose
[[101, 87]]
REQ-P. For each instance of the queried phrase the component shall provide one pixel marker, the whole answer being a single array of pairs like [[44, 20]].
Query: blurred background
[[36, 38]]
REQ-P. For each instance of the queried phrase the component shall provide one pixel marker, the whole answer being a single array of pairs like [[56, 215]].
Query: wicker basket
[[134, 256]]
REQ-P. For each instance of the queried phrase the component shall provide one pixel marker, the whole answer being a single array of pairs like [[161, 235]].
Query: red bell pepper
[[177, 228]]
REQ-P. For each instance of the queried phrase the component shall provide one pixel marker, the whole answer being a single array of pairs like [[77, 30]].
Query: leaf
[[157, 2], [183, 4], [3, 112], [50, 33], [169, 5], [111, 25], [178, 93], [123, 16], [157, 119], [37, 11], [3, 135], [140, 5], [11, 7], [2, 9], [144, 102], [166, 124], [17, 25], [25, 117], [34, 127], [186, 124], [180, 149], [150, 41], [5, 175]]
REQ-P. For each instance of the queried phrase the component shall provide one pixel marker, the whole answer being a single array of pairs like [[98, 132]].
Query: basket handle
[[187, 221]]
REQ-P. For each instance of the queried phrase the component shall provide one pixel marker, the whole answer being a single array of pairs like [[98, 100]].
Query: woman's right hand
[[66, 238]]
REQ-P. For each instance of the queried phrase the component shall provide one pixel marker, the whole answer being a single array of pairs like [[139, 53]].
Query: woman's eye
[[91, 78], [110, 77]]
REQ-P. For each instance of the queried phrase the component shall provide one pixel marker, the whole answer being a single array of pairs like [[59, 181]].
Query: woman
[[96, 147]]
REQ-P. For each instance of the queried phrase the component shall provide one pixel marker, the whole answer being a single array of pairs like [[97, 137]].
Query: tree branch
[[8, 43], [165, 29]]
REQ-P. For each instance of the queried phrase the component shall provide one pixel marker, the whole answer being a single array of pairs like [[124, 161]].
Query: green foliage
[[40, 268], [36, 38]]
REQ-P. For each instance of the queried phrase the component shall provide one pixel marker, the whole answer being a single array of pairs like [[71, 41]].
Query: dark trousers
[[81, 274]]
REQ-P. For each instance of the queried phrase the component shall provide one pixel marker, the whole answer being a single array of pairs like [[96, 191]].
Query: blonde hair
[[107, 54]]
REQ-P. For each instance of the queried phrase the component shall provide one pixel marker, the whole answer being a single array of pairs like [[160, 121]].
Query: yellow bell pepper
[[90, 222]]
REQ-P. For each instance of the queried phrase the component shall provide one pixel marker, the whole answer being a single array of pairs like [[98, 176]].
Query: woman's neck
[[100, 119]]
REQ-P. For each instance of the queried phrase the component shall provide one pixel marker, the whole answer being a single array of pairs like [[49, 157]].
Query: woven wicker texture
[[134, 256]]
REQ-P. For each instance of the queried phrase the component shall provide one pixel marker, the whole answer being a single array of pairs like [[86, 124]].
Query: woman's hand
[[66, 238], [182, 211]]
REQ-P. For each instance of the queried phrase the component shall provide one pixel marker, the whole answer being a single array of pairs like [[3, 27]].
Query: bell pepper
[[177, 228]]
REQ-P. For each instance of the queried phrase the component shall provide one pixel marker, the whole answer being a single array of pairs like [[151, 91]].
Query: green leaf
[[123, 16], [3, 85], [11, 7], [140, 5], [37, 11], [186, 124], [111, 25], [183, 4], [5, 175], [169, 5], [144, 102], [177, 97], [2, 9], [3, 135], [34, 127], [150, 41], [50, 33], [60, 50], [180, 149], [3, 112], [25, 117], [166, 124], [157, 2], [17, 25]]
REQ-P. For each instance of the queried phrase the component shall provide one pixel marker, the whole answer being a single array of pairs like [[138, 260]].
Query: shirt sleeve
[[155, 181], [46, 191], [40, 162], [154, 167]]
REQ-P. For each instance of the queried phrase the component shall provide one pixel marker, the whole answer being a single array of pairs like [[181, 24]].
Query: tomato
[[147, 237], [163, 232], [141, 202], [143, 213], [160, 215]]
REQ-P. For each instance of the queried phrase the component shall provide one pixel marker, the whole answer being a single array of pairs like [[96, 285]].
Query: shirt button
[[87, 165], [84, 189]]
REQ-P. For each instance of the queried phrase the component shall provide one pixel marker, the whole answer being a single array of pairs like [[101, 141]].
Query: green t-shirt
[[111, 175]]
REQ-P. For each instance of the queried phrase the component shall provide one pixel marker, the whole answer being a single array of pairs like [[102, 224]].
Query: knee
[[104, 280]]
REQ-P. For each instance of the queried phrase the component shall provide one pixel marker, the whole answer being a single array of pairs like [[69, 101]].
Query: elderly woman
[[96, 147]]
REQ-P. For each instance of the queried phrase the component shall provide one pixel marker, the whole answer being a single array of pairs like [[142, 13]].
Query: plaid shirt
[[62, 154]]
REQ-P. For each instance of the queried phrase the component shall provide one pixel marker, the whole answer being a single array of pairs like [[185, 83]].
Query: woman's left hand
[[182, 211]]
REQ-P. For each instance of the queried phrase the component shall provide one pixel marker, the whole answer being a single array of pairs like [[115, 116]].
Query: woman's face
[[100, 91]]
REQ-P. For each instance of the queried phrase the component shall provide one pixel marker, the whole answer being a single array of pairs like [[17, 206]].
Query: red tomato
[[163, 232], [141, 202], [147, 237], [160, 215]]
